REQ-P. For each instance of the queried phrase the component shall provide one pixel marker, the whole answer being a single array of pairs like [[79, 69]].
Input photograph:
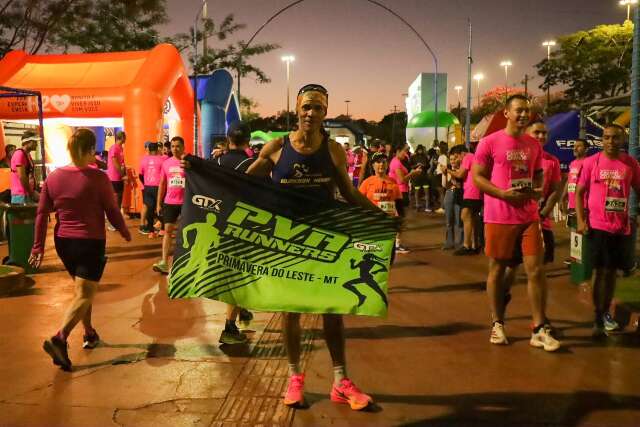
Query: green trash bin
[[581, 268], [21, 221]]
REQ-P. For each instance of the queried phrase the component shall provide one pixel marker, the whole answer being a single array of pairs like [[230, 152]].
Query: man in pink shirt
[[401, 175], [607, 178], [551, 188], [471, 207], [580, 148], [508, 170], [22, 180], [150, 169], [116, 169], [171, 193]]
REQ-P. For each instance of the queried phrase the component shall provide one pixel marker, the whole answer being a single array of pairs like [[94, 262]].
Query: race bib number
[[388, 207], [177, 181], [615, 204], [576, 246], [521, 183], [571, 188]]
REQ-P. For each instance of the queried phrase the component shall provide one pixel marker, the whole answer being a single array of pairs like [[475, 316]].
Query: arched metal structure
[[374, 2]]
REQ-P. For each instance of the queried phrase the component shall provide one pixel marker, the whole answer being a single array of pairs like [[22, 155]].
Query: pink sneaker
[[294, 395], [347, 392]]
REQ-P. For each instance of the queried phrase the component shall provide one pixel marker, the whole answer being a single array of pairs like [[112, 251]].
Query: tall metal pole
[[288, 89], [548, 86], [635, 100], [467, 129]]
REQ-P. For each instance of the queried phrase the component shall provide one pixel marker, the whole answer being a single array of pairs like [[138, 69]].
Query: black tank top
[[312, 174]]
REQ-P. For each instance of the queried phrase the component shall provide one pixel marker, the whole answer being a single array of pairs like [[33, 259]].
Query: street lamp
[[548, 44], [288, 59], [347, 101], [628, 3], [506, 64], [478, 77], [458, 89], [202, 11]]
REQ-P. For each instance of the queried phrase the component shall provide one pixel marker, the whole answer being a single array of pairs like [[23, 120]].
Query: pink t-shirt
[[470, 190], [608, 183], [80, 197], [173, 174], [115, 152], [551, 171], [512, 163], [575, 168], [150, 168], [393, 167], [21, 158]]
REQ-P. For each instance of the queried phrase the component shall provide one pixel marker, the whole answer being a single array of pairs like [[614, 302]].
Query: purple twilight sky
[[363, 54]]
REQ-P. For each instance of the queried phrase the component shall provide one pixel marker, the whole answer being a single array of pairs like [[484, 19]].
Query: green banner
[[251, 243]]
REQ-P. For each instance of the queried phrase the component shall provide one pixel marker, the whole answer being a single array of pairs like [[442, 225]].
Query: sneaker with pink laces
[[294, 396], [347, 392]]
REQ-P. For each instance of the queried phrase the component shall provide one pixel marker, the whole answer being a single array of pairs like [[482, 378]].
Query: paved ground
[[428, 363]]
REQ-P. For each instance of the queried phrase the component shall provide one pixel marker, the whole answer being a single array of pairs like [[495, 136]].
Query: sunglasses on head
[[313, 88]]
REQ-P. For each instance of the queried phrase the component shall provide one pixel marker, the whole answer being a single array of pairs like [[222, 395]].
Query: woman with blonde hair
[[80, 196]]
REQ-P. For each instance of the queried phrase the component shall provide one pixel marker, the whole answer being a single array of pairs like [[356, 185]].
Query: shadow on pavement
[[456, 287], [396, 331]]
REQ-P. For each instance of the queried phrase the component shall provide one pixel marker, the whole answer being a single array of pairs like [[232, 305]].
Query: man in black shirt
[[236, 158]]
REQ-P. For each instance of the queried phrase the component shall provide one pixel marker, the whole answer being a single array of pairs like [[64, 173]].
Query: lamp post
[[478, 77], [628, 3], [347, 101], [548, 44], [458, 88], [506, 64], [288, 59], [202, 11]]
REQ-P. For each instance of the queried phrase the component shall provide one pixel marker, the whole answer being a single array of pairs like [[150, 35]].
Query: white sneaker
[[439, 211], [497, 334], [110, 227], [543, 339]]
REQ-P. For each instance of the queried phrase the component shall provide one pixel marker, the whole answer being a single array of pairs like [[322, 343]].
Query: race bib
[[615, 204], [521, 183], [177, 181], [388, 207], [379, 196], [576, 246], [571, 188]]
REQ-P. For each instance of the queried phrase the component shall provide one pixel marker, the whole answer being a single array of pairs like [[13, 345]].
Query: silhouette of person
[[369, 261], [207, 235]]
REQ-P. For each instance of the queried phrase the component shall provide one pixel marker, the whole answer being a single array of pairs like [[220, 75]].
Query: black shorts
[[150, 197], [421, 181], [474, 205], [82, 258], [606, 249], [549, 245], [171, 213], [405, 200], [118, 186]]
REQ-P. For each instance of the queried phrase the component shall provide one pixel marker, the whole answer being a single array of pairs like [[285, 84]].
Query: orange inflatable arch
[[133, 86]]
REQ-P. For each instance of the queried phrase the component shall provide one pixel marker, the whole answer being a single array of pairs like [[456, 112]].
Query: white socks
[[339, 373]]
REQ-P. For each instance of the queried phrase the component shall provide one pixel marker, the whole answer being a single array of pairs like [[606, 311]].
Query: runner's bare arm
[[363, 168], [162, 188], [268, 157], [459, 173], [580, 217], [343, 181], [556, 193], [24, 179]]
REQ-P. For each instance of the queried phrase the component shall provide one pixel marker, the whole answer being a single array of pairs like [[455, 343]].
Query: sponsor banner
[[248, 242]]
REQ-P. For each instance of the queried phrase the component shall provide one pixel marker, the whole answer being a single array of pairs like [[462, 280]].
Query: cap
[[239, 131], [29, 135], [377, 157]]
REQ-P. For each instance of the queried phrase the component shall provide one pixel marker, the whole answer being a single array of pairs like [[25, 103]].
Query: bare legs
[[80, 307], [333, 335]]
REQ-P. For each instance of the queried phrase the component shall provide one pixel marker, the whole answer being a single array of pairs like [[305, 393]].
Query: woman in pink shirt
[[580, 149], [401, 175], [80, 197]]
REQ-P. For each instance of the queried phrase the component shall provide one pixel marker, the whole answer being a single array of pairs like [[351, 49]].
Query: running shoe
[[152, 235], [143, 231], [161, 233], [110, 227], [347, 392], [245, 317], [498, 336], [427, 210], [401, 250], [161, 267], [439, 211], [610, 324], [543, 339], [294, 396], [232, 336], [57, 349], [90, 341], [464, 251], [598, 331]]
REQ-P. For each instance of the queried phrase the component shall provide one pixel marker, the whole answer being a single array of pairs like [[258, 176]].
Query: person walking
[[80, 196]]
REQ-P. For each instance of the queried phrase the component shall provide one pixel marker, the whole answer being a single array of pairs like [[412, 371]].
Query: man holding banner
[[310, 163]]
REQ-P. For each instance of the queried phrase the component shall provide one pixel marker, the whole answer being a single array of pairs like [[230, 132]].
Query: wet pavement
[[428, 363]]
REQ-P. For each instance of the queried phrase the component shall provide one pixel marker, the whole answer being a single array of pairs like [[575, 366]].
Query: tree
[[247, 105], [393, 128], [591, 64], [113, 25], [233, 56]]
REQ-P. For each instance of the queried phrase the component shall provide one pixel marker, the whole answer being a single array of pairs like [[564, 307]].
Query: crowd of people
[[496, 196]]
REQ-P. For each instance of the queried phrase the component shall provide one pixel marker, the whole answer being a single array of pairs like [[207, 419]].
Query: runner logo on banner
[[251, 243]]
